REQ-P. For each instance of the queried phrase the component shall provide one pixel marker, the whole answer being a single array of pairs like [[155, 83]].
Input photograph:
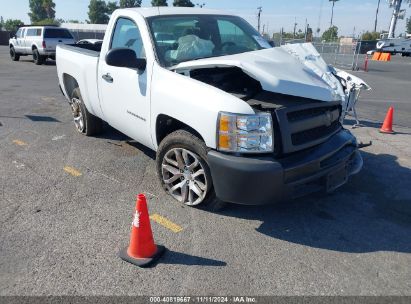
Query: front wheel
[[14, 56], [183, 170]]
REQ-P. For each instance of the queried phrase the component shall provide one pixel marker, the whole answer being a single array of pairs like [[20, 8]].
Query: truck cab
[[231, 118]]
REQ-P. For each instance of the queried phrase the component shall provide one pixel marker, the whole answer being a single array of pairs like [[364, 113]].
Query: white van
[[38, 41]]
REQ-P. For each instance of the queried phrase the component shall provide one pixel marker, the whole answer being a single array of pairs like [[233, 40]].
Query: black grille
[[309, 113], [315, 134], [307, 125]]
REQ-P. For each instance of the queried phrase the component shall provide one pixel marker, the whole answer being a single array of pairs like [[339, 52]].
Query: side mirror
[[125, 58]]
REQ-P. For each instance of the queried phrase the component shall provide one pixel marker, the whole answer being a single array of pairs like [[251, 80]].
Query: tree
[[12, 24], [186, 3], [130, 3], [408, 25], [47, 21], [49, 7], [37, 11], [331, 34], [1, 23], [159, 2], [111, 7], [97, 12], [370, 36]]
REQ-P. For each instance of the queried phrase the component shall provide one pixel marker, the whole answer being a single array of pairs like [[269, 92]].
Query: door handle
[[107, 78]]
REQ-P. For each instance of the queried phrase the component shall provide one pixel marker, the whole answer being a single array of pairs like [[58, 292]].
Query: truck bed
[[79, 63], [86, 49]]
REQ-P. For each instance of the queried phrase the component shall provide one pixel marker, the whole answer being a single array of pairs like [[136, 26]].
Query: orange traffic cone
[[142, 251], [387, 125]]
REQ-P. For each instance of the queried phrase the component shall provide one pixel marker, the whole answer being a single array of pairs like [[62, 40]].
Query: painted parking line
[[165, 223], [19, 142], [72, 171]]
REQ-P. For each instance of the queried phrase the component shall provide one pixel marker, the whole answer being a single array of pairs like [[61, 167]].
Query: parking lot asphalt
[[67, 203]]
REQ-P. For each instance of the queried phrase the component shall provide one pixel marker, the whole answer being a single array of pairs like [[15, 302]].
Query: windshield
[[189, 37], [57, 33]]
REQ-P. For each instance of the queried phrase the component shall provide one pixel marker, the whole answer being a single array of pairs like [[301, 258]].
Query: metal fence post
[[358, 55], [335, 58]]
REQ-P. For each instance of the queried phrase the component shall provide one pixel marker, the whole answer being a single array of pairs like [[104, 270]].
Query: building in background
[[85, 30]]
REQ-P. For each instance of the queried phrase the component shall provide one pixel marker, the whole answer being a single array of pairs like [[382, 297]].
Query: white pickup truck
[[38, 41], [231, 118]]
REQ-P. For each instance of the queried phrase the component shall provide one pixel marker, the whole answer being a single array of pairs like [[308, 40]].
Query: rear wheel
[[85, 122], [14, 56], [37, 58], [184, 173]]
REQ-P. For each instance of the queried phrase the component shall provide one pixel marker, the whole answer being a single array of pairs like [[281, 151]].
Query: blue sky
[[276, 14]]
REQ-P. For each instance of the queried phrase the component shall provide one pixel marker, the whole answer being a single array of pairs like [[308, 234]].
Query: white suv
[[39, 41]]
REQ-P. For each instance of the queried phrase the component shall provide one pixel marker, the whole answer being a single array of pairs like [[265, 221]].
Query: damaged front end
[[306, 99]]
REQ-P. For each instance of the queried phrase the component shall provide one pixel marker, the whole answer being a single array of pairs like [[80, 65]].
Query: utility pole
[[260, 9], [306, 29], [376, 16], [281, 36], [295, 26], [332, 11]]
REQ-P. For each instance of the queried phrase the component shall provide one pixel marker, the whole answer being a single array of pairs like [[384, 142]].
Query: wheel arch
[[70, 83], [166, 125]]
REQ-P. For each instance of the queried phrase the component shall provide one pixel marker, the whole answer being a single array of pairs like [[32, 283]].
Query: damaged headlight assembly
[[245, 133]]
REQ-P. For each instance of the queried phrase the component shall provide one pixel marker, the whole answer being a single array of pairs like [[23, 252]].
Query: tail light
[[44, 44]]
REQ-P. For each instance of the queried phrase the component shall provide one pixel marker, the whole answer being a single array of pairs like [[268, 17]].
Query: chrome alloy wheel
[[184, 176], [77, 114]]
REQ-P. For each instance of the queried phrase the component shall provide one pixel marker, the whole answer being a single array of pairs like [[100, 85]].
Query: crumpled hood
[[295, 69]]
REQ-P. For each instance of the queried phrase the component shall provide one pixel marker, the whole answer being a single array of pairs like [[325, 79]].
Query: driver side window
[[127, 35]]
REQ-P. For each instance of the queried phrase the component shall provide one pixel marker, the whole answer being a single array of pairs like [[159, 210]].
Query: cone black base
[[145, 262], [386, 132]]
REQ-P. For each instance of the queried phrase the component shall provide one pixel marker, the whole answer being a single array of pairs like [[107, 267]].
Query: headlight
[[245, 133]]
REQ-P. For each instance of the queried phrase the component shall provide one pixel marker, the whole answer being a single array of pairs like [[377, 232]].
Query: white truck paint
[[198, 94]]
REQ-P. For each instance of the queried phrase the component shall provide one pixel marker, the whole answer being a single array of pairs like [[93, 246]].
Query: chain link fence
[[344, 55]]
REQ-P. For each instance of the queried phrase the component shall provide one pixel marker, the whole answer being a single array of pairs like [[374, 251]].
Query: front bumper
[[258, 180]]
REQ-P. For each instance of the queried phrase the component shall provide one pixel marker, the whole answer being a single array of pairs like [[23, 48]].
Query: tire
[[85, 122], [190, 148], [37, 58], [14, 56]]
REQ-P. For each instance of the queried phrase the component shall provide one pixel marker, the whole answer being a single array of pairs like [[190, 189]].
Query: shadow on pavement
[[371, 213], [178, 258], [28, 59], [363, 123], [119, 139], [371, 124]]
